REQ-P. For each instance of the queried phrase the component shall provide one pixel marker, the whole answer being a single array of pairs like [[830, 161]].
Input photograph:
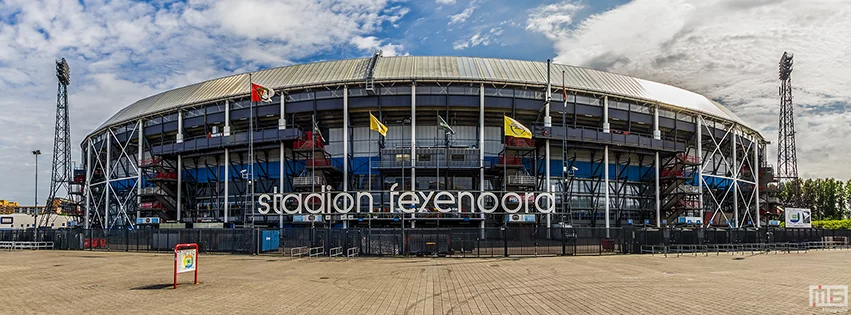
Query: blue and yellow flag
[[376, 125], [515, 129]]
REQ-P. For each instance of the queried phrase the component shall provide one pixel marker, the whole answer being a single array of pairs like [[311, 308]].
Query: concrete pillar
[[179, 126], [282, 122], [226, 131], [606, 125], [656, 133]]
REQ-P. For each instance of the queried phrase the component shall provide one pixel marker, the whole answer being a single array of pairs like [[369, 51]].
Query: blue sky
[[122, 50]]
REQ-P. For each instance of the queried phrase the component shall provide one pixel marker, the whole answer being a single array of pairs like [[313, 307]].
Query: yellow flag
[[515, 129], [376, 125]]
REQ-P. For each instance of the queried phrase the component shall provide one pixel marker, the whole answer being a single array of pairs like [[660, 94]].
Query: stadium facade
[[611, 149]]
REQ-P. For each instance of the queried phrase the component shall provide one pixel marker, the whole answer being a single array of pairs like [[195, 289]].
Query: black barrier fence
[[455, 242]]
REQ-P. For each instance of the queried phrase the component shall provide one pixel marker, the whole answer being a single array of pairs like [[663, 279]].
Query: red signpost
[[185, 260]]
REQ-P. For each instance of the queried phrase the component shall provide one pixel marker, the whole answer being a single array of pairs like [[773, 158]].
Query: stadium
[[604, 149]]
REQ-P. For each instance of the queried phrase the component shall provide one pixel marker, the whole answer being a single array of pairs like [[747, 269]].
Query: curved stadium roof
[[425, 68]]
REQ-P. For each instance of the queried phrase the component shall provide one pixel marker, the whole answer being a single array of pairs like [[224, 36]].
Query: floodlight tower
[[787, 159], [61, 168]]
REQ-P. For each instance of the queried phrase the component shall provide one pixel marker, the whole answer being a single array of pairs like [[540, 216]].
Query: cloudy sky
[[121, 51]]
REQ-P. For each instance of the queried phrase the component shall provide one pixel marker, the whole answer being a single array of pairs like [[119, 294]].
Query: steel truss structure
[[619, 162]]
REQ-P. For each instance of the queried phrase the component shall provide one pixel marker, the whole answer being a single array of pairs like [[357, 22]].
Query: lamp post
[[36, 153]]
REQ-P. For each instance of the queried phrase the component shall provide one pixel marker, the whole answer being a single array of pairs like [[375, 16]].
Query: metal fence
[[454, 242]]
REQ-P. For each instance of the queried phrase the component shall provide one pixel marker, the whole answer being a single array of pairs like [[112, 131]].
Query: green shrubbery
[[832, 224]]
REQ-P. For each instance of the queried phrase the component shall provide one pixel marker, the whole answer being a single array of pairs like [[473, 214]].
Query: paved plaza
[[136, 283]]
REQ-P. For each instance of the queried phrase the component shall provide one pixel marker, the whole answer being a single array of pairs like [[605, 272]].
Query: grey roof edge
[[721, 110]]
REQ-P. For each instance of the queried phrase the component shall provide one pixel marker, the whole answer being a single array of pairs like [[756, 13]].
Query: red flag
[[260, 93]]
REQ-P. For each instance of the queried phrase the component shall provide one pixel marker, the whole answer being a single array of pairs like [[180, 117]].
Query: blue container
[[270, 240]]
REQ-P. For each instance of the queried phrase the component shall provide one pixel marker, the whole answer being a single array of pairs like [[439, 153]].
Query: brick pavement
[[136, 283]]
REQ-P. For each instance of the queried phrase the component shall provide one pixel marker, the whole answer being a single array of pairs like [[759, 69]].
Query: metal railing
[[510, 240]]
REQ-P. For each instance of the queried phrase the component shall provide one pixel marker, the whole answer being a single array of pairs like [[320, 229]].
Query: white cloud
[[445, 1], [553, 20], [729, 50], [463, 15], [480, 38], [121, 51], [372, 43]]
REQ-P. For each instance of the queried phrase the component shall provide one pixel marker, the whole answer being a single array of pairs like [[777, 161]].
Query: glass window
[[464, 90], [571, 98], [194, 113], [215, 108], [524, 94], [403, 157], [168, 118], [499, 92], [639, 108], [583, 100], [457, 157], [323, 94], [357, 92], [424, 157]]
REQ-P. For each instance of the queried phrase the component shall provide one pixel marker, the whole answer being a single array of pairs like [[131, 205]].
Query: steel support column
[[139, 169], [89, 148], [227, 184], [548, 123], [413, 144], [700, 169], [481, 154], [179, 186], [345, 151], [108, 172], [755, 170], [658, 205], [606, 185], [735, 174], [281, 182]]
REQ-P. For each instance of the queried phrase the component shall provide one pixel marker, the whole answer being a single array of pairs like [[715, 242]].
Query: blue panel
[[521, 103], [265, 110], [330, 104], [299, 107], [431, 100], [359, 102], [498, 102], [392, 101], [465, 100]]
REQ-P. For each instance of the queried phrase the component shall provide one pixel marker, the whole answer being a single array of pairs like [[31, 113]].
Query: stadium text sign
[[327, 202]]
